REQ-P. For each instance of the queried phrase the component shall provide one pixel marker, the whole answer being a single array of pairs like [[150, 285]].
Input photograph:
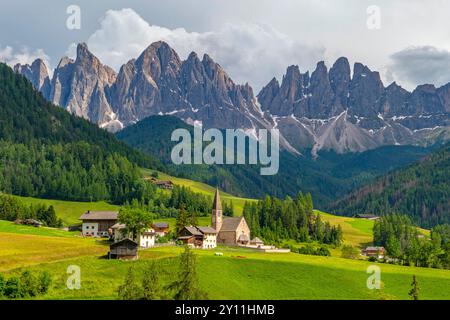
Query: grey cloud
[[421, 64], [249, 52]]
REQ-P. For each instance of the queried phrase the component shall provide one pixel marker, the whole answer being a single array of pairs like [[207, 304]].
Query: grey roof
[[118, 226], [123, 241], [161, 224], [207, 230], [99, 215], [231, 224], [194, 231], [257, 240], [375, 248]]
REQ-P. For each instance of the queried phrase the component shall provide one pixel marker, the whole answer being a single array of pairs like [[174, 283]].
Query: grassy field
[[238, 274], [357, 232], [70, 211], [24, 246], [10, 227], [244, 274]]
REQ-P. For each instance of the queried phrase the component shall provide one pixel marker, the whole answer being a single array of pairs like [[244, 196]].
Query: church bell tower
[[216, 219]]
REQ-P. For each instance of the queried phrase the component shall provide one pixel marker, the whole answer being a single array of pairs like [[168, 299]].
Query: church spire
[[216, 218], [217, 205]]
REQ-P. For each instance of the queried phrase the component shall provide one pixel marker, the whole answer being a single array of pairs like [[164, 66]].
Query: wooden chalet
[[199, 237], [164, 184], [161, 228], [124, 249]]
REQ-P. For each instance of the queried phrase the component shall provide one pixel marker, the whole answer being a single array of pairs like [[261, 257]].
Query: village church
[[230, 230]]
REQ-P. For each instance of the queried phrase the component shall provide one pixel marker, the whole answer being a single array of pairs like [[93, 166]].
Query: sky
[[407, 41]]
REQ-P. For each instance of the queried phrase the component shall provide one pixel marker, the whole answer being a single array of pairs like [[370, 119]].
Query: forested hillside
[[328, 177], [421, 191], [46, 152]]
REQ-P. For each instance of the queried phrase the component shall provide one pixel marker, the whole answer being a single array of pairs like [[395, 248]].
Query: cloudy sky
[[406, 40]]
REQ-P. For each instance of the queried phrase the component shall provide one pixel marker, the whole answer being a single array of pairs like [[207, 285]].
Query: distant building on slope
[[98, 223], [378, 252], [367, 216]]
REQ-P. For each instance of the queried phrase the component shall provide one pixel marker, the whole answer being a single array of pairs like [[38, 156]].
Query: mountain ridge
[[329, 109]]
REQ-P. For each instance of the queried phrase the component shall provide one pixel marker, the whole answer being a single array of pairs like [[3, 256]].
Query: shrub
[[2, 284], [12, 288], [29, 285], [45, 280]]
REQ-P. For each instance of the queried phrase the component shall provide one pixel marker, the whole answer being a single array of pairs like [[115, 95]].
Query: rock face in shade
[[329, 109]]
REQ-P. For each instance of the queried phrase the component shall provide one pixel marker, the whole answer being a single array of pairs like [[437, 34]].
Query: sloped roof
[[99, 215], [118, 226], [161, 224], [122, 242], [231, 224], [217, 204], [207, 230], [194, 231], [257, 240]]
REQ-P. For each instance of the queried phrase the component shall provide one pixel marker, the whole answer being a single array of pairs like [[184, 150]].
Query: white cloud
[[24, 56], [420, 64], [248, 52]]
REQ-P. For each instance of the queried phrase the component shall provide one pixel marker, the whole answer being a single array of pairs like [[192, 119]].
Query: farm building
[[161, 228], [378, 252], [168, 185], [146, 239], [124, 249], [367, 216], [199, 237], [98, 223]]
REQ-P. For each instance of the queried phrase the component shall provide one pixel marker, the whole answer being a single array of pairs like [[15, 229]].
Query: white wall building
[[146, 239]]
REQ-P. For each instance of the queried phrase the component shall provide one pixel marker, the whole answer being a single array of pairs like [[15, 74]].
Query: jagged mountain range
[[327, 110]]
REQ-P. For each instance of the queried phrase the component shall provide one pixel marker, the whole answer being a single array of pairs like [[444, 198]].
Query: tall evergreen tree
[[414, 292]]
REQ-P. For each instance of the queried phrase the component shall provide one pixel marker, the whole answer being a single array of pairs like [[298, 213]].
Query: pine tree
[[152, 289], [182, 219], [129, 290], [414, 293], [186, 287]]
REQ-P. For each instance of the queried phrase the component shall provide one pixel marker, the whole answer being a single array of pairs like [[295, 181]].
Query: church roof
[[217, 204], [231, 224]]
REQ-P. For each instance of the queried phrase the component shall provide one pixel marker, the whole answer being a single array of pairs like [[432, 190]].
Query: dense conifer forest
[[421, 191]]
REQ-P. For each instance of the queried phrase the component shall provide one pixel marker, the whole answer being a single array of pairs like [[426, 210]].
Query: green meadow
[[238, 274], [244, 274], [70, 211]]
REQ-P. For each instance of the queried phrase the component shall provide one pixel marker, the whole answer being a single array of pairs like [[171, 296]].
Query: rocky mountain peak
[[37, 74], [159, 60], [329, 109]]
